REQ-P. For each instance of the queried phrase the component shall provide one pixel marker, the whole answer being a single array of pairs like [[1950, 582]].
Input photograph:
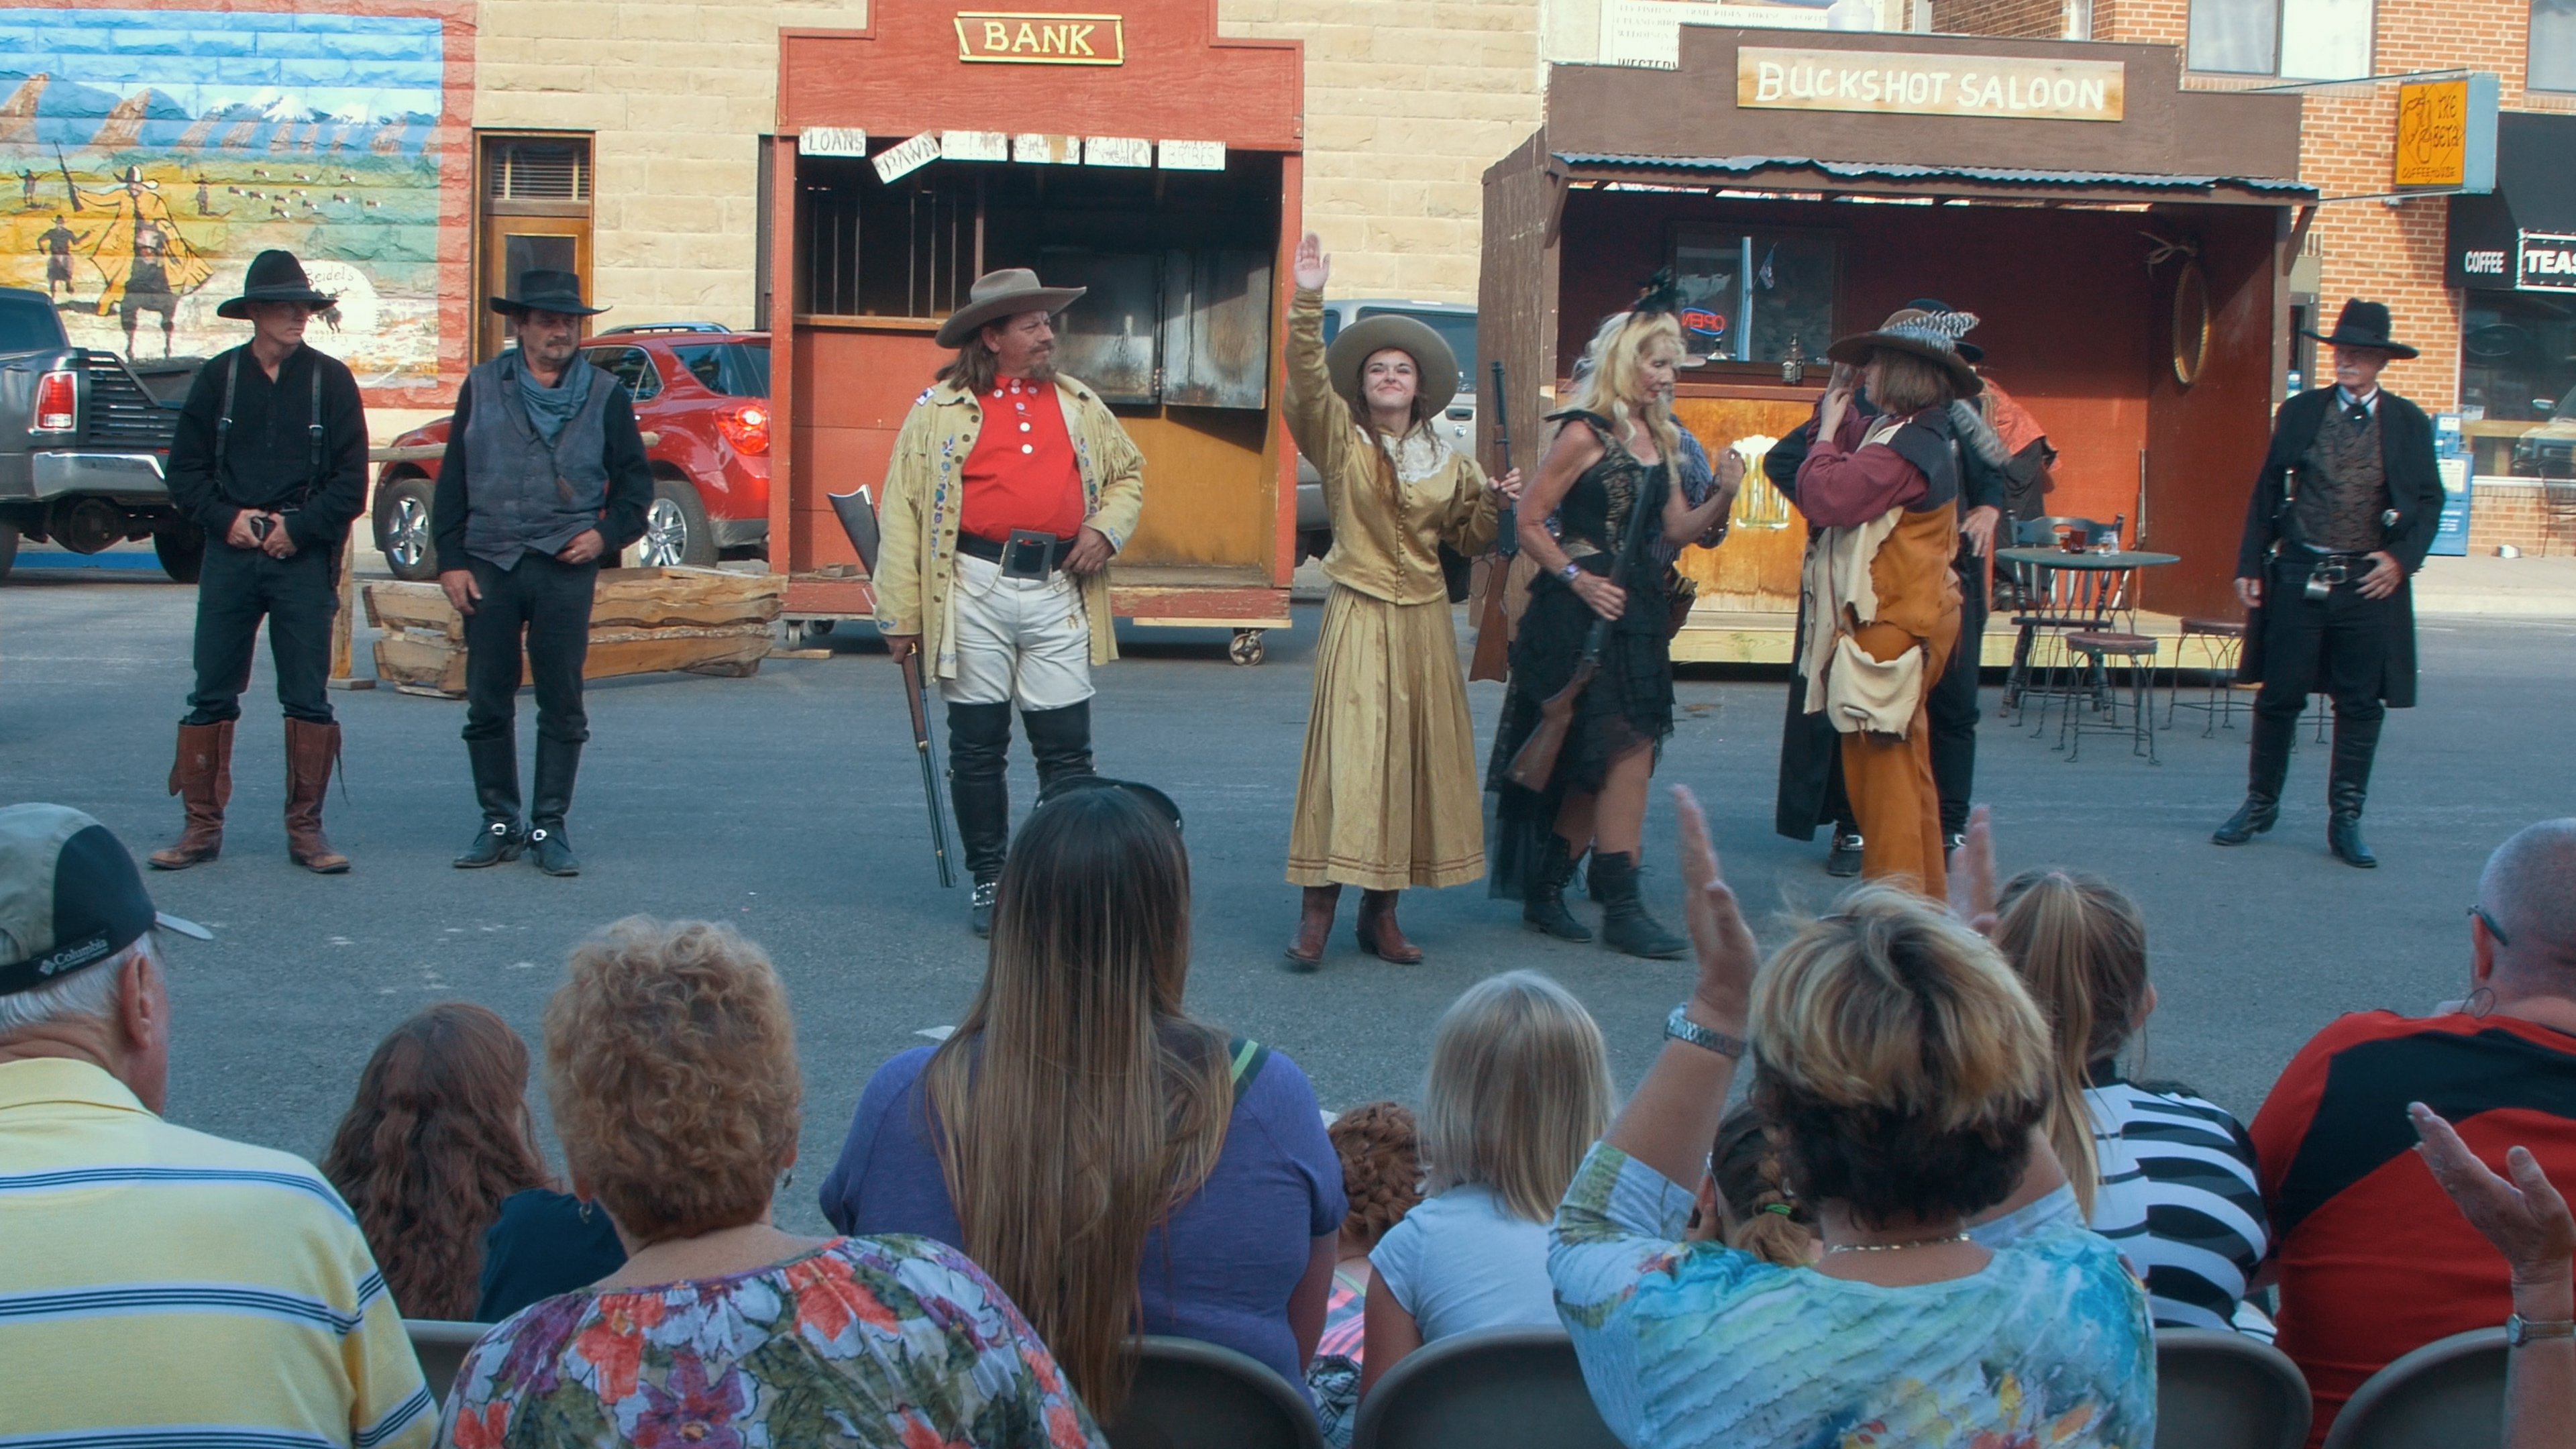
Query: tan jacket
[[924, 490]]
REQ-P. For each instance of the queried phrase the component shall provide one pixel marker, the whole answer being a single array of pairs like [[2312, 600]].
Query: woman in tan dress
[[1387, 797]]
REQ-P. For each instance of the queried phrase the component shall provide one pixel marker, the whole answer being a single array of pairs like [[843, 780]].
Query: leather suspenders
[[313, 428]]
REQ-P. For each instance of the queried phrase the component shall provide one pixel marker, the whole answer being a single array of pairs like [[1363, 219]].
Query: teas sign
[[2545, 261], [1908, 83], [1001, 37]]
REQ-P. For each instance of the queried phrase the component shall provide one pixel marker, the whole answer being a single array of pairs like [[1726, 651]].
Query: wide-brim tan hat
[[1932, 336], [1354, 345], [1005, 293]]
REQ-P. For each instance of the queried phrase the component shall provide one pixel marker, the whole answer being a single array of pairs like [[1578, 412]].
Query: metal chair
[[2222, 644], [441, 1344], [2137, 655], [1506, 1386], [2449, 1392], [1192, 1395], [2221, 1390], [2052, 602]]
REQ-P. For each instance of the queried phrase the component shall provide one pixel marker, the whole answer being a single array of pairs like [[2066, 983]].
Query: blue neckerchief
[[550, 408]]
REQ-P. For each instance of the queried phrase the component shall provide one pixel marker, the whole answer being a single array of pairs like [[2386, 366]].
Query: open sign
[[1703, 321]]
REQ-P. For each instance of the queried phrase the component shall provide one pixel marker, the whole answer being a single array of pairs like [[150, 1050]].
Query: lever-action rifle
[[859, 520]]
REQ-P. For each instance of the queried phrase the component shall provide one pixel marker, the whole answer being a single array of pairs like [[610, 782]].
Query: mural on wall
[[147, 155]]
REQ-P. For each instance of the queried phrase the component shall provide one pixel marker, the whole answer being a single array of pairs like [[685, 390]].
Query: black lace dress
[[1630, 699]]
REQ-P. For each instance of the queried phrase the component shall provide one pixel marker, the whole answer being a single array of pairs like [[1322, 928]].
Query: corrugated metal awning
[[1914, 175]]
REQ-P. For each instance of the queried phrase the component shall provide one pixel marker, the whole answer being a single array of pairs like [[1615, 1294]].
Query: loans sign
[[1906, 83], [1001, 37]]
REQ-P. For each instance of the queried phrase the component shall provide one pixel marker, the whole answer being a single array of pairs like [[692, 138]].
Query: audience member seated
[[439, 1137], [1380, 1150], [1519, 1088], [671, 1067], [1117, 1165], [1744, 1200], [1904, 1070], [2167, 1176], [2373, 1262], [543, 1243], [2528, 1222], [161, 1280]]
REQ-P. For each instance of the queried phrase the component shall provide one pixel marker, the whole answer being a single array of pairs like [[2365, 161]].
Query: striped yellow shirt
[[160, 1287]]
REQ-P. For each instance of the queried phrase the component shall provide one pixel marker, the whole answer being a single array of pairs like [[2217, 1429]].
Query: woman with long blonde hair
[[1610, 464], [1118, 1166]]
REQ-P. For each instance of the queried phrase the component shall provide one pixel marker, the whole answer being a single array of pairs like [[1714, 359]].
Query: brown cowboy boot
[[1314, 924], [1379, 935], [202, 778], [311, 749]]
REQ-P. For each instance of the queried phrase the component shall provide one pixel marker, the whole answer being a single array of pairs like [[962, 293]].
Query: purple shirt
[[1220, 1270]]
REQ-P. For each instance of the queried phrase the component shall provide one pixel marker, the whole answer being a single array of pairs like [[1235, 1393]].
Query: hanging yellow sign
[[2433, 133], [999, 37]]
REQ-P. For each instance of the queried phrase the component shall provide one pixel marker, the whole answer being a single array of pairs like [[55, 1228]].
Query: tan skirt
[[1387, 796]]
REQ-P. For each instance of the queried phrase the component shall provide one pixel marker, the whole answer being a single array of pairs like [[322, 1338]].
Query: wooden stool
[[2137, 654]]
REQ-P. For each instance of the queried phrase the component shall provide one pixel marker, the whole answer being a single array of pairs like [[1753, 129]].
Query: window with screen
[[2298, 39], [2553, 45], [1749, 296]]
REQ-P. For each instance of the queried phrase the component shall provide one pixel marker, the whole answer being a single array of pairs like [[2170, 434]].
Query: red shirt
[[1021, 473], [2374, 1259]]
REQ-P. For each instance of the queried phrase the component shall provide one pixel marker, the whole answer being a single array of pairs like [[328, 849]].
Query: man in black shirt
[[271, 461]]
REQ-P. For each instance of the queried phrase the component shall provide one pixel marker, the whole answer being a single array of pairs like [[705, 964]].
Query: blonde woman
[[1386, 797], [1611, 461], [1519, 1089], [1902, 1068]]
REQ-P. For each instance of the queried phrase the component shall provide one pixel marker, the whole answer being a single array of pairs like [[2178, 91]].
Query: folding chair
[[440, 1344], [2218, 1389], [1474, 1390], [2449, 1392], [1192, 1395]]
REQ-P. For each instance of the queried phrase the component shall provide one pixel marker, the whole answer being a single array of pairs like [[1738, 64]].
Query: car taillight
[[58, 402], [746, 426]]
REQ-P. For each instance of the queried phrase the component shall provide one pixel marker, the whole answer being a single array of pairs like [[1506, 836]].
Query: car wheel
[[676, 532], [182, 550], [8, 548], [403, 528]]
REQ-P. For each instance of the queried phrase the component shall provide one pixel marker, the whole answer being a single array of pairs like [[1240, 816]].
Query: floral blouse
[[878, 1341]]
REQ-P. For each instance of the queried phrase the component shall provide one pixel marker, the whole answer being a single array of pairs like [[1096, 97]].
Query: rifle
[[71, 188], [859, 520], [1535, 763], [1493, 626]]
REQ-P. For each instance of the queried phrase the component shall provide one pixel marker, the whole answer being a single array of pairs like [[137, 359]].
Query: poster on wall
[[147, 155]]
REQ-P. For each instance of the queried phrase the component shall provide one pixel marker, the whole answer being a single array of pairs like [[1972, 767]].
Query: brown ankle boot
[[1314, 924], [1380, 936], [311, 750], [202, 778]]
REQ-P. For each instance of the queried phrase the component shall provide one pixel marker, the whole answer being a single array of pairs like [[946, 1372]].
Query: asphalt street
[[789, 805]]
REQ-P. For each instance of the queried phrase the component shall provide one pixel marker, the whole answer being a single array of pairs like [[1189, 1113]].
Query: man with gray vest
[[544, 477]]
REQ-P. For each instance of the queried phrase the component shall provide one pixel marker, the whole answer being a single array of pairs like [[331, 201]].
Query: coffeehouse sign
[[2004, 87], [1011, 37]]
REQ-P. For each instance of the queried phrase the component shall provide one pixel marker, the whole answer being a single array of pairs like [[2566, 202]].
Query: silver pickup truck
[[85, 442]]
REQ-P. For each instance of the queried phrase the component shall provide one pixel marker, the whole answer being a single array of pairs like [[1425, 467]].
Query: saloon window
[[2300, 39], [1750, 296], [2553, 45]]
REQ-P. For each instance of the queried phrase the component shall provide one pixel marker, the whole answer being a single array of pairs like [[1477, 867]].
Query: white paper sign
[[1037, 150], [907, 158], [974, 146], [1191, 155], [832, 141], [1117, 151]]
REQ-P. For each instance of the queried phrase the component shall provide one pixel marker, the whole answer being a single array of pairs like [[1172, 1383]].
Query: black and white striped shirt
[[2178, 1198]]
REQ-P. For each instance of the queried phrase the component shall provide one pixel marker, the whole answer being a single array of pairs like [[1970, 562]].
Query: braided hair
[[1381, 1167], [1765, 1218]]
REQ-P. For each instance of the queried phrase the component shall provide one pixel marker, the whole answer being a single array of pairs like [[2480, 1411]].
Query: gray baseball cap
[[69, 896]]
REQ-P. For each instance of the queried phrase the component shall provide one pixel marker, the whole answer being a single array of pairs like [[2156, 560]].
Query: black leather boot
[[1060, 740], [979, 741], [558, 761], [2356, 741], [2266, 767], [496, 788], [1543, 901], [1626, 925]]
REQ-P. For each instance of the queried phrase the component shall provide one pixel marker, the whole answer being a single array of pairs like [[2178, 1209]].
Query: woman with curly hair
[[1381, 1151], [439, 1136]]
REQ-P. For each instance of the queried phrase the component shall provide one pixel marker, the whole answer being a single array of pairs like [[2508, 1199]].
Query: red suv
[[704, 390]]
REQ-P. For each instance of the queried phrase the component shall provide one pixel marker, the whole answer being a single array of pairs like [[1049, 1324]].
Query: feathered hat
[[1932, 336]]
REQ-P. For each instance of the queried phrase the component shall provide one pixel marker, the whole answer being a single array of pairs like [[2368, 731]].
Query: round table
[[2088, 561], [2017, 678]]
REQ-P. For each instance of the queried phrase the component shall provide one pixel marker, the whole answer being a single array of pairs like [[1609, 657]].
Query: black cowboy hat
[[545, 291], [1968, 351], [274, 276], [2363, 324]]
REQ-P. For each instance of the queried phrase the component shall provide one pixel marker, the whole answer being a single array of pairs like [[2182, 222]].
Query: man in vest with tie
[[544, 479], [2346, 506]]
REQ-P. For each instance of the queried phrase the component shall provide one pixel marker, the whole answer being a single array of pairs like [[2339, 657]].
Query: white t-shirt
[[1460, 1262]]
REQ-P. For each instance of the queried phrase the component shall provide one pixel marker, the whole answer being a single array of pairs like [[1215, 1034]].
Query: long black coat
[[2414, 491]]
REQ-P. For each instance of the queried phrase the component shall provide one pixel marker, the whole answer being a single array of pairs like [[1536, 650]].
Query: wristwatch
[[1680, 1027], [2519, 1330], [1570, 572]]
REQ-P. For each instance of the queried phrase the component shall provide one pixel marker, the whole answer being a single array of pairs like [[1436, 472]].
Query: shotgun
[[858, 517], [1492, 658], [1535, 763]]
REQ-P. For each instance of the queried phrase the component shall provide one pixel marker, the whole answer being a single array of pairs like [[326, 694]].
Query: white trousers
[[1019, 641]]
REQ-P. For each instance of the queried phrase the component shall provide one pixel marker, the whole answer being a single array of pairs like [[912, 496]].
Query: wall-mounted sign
[[2003, 87], [1036, 150], [2545, 261], [1190, 155], [832, 141], [999, 37], [2446, 134], [911, 156], [974, 146], [1117, 151]]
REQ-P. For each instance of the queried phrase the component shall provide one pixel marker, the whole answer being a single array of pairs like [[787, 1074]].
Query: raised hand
[[1313, 267], [2526, 1218], [1720, 940], [1972, 874]]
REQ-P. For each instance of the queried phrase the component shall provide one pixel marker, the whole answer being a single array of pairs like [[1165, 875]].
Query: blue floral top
[[2047, 1347]]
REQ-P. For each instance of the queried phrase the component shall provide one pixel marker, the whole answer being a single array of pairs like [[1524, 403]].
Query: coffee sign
[[1011, 37], [2002, 87], [2545, 261], [2433, 133]]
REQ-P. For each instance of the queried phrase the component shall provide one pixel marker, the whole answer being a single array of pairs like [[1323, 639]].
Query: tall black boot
[[2356, 740], [558, 761], [1626, 925], [1061, 741], [1543, 900], [979, 743], [2266, 768], [496, 788]]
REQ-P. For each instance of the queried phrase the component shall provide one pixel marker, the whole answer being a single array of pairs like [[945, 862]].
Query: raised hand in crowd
[[1312, 266], [1972, 873], [2527, 1220]]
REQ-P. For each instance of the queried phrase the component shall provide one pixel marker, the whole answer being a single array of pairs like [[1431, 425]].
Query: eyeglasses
[[2493, 929]]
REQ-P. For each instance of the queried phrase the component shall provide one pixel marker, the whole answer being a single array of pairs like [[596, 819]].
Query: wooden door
[[512, 245]]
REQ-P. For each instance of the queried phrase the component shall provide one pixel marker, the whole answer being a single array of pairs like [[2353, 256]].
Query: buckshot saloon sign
[[2004, 87], [2545, 261]]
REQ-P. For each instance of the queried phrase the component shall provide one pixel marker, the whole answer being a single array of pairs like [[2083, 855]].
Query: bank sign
[[2544, 261], [2002, 87]]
